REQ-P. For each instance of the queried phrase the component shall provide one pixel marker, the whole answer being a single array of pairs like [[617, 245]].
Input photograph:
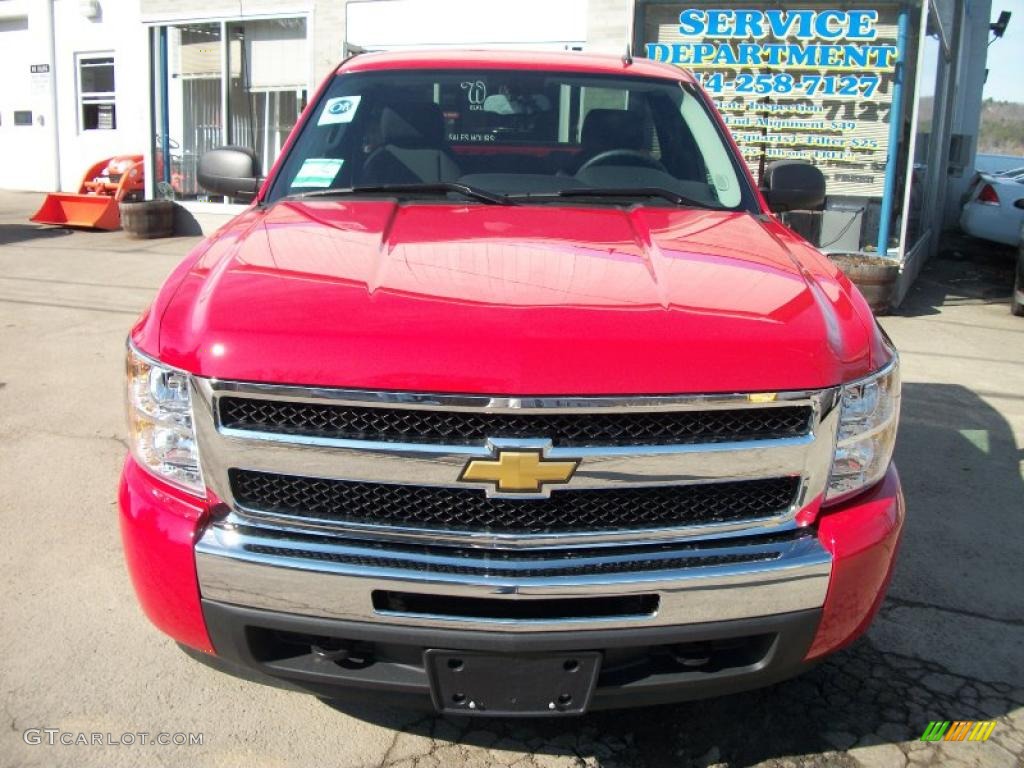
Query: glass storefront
[[927, 171], [241, 83]]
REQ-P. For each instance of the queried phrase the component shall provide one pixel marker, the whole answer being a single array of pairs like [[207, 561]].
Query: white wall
[[489, 23], [26, 154], [28, 157], [608, 25], [117, 30]]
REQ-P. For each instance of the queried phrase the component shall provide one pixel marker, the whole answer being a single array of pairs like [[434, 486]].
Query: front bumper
[[686, 584], [761, 620]]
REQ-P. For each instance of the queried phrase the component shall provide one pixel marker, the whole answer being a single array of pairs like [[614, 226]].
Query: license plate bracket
[[528, 685]]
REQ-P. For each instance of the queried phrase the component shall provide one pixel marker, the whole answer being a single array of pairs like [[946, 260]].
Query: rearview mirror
[[230, 171], [792, 185]]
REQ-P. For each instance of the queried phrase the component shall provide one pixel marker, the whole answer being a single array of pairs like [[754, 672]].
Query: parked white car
[[995, 207]]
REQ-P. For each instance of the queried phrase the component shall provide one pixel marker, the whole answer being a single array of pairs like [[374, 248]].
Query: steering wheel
[[641, 158]]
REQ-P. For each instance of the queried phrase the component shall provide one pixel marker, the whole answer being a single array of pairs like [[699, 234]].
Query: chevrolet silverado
[[509, 394]]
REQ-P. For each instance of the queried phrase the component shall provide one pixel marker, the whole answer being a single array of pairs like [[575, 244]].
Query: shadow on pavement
[[965, 271], [857, 697], [960, 466], [19, 233]]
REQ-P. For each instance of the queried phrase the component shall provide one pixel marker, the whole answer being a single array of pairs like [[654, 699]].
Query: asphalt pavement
[[78, 657]]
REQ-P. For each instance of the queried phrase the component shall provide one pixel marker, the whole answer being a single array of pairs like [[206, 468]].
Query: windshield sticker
[[340, 109], [476, 93], [317, 172]]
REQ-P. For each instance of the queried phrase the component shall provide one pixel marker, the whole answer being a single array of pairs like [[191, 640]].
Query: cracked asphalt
[[77, 655]]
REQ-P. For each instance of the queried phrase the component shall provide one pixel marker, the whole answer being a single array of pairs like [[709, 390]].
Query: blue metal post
[[895, 124], [165, 118]]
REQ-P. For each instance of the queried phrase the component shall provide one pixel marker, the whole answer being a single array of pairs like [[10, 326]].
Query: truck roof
[[571, 61]]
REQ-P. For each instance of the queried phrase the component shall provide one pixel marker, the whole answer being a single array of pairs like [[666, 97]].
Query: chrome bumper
[[337, 578]]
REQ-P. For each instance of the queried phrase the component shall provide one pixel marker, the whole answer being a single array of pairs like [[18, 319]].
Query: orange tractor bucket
[[95, 206], [71, 210]]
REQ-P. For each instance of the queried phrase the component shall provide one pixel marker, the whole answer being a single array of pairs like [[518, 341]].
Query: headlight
[[869, 411], [160, 429]]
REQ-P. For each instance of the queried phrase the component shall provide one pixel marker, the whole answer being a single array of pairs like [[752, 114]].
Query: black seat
[[413, 147], [605, 129]]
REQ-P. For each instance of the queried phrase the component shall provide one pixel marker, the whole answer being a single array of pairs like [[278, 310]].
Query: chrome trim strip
[[494, 404], [795, 578], [779, 524], [441, 465]]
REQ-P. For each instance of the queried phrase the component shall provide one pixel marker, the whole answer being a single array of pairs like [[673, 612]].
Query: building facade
[[75, 79], [883, 95]]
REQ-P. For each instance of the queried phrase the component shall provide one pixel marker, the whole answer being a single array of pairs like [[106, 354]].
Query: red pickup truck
[[508, 395]]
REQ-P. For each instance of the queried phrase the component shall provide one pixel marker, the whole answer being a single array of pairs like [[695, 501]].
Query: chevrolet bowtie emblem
[[518, 471]]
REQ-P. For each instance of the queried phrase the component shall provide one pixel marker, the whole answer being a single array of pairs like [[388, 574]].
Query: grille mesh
[[469, 509], [471, 428]]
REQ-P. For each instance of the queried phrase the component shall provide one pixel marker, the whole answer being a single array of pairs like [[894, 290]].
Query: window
[[97, 110], [535, 134], [268, 69], [257, 69]]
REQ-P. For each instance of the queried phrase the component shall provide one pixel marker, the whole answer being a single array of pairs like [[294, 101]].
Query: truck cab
[[509, 395]]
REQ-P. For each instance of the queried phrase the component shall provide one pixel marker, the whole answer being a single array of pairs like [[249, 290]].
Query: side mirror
[[791, 185], [230, 171]]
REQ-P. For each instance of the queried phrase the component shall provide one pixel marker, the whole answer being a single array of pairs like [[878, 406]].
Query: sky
[[1006, 55]]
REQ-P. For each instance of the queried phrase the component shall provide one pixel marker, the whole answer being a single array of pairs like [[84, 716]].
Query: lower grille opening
[[449, 607], [701, 658], [269, 645], [284, 650]]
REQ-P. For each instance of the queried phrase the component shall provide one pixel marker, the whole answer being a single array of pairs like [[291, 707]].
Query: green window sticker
[[317, 172]]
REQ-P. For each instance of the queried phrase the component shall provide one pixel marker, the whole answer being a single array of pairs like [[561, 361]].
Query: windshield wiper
[[439, 186], [665, 194]]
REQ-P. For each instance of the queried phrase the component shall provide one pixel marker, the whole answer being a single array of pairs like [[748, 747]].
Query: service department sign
[[808, 82]]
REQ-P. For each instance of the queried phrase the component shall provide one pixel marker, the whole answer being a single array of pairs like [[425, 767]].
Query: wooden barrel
[[149, 218], [875, 276]]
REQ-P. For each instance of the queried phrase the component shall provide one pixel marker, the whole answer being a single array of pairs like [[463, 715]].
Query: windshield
[[525, 135]]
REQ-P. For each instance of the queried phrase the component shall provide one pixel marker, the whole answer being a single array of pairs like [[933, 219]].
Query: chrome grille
[[348, 422], [388, 466], [330, 496], [467, 509]]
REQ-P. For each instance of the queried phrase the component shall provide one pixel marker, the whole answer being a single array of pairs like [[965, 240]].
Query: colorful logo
[[958, 730]]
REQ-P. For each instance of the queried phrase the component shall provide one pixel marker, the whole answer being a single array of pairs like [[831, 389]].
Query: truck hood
[[526, 300]]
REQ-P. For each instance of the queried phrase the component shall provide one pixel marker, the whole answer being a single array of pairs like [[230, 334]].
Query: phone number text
[[783, 82]]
